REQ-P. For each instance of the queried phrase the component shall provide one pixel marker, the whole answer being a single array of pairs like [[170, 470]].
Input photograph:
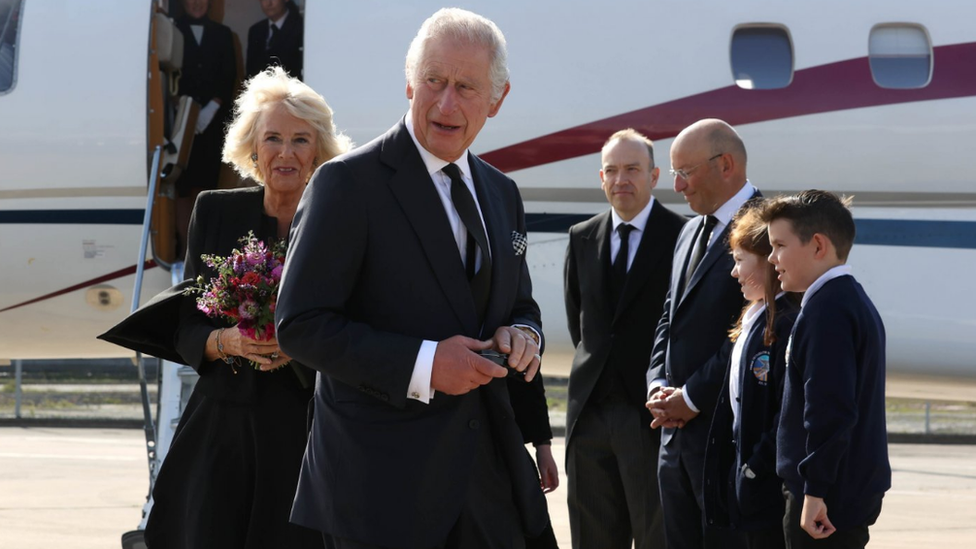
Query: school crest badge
[[760, 367]]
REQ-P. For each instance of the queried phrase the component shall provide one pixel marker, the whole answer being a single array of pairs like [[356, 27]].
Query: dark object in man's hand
[[502, 360]]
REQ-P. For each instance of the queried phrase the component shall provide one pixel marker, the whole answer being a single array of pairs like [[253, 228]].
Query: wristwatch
[[529, 332]]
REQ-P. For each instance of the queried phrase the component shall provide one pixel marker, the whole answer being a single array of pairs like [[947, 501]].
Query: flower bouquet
[[245, 289]]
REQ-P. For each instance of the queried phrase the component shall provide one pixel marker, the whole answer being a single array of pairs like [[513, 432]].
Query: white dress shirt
[[639, 223], [419, 387], [197, 31], [735, 367]]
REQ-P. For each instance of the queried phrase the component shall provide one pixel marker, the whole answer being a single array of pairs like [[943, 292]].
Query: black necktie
[[619, 269], [480, 281], [701, 245], [272, 30]]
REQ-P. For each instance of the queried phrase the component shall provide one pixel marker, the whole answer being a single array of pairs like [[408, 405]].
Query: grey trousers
[[611, 465]]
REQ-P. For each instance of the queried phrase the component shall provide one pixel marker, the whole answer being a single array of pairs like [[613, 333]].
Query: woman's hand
[[265, 353], [278, 359]]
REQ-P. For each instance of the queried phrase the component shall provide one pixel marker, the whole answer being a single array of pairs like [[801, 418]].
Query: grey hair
[[264, 92], [468, 28]]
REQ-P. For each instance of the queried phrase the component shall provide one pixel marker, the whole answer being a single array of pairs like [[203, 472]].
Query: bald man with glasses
[[708, 161]]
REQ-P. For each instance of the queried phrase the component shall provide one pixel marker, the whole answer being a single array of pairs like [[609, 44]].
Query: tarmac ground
[[78, 488]]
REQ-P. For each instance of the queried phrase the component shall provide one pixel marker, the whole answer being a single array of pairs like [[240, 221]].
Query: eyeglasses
[[685, 173]]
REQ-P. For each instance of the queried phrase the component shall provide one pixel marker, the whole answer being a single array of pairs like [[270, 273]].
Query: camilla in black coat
[[231, 473]]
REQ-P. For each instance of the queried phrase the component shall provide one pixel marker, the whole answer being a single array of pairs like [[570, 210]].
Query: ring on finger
[[274, 355], [538, 357]]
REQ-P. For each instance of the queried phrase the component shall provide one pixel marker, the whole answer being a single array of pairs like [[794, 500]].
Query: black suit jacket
[[372, 270], [693, 327], [285, 49], [602, 332], [209, 71]]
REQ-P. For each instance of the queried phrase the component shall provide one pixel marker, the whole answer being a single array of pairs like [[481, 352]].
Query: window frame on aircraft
[[893, 57], [738, 46], [9, 42]]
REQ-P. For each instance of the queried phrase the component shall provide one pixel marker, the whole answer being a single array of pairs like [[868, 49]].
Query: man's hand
[[458, 368], [522, 350], [548, 472], [656, 406], [669, 409], [813, 518]]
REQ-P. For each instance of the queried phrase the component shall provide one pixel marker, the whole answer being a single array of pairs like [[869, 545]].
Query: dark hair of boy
[[811, 212], [749, 233]]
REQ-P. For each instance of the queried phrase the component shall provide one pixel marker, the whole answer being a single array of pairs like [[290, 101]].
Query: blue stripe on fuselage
[[879, 232]]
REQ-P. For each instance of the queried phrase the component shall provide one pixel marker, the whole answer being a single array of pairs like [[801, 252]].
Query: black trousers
[[613, 497], [488, 519], [855, 537], [680, 473]]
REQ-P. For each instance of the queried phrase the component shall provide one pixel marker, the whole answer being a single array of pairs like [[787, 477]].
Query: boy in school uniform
[[832, 447]]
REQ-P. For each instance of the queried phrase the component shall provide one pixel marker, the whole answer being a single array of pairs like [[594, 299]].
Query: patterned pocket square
[[519, 242]]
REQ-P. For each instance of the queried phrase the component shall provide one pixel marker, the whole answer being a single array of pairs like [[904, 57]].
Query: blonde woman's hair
[[263, 93]]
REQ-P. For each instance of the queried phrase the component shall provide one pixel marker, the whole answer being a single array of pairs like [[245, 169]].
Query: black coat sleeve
[[194, 326]]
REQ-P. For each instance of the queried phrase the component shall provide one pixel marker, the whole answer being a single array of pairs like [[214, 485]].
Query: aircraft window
[[900, 56], [9, 21], [762, 57]]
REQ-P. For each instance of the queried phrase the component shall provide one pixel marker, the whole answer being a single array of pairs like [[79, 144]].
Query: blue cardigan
[[731, 499], [833, 441]]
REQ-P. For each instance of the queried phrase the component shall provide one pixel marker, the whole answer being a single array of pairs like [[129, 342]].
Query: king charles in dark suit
[[407, 259], [708, 162], [618, 265], [277, 40]]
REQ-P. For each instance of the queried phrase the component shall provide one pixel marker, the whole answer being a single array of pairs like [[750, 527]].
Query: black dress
[[230, 475]]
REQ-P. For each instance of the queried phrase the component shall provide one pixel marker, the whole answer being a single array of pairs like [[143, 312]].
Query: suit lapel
[[682, 250], [499, 239], [716, 249], [414, 190], [597, 244], [649, 253]]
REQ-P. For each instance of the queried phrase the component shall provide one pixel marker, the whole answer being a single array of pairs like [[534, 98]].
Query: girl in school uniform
[[742, 491]]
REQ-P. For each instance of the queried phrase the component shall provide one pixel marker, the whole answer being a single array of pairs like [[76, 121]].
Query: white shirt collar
[[838, 271], [726, 211], [280, 21], [434, 164], [639, 221]]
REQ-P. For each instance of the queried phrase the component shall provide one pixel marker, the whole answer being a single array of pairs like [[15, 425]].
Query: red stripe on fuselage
[[104, 278], [825, 88]]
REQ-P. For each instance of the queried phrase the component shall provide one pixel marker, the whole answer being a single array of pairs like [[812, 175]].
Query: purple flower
[[248, 309]]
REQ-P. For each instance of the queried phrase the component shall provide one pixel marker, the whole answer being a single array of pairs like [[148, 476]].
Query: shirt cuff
[[654, 385], [684, 394], [419, 388]]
